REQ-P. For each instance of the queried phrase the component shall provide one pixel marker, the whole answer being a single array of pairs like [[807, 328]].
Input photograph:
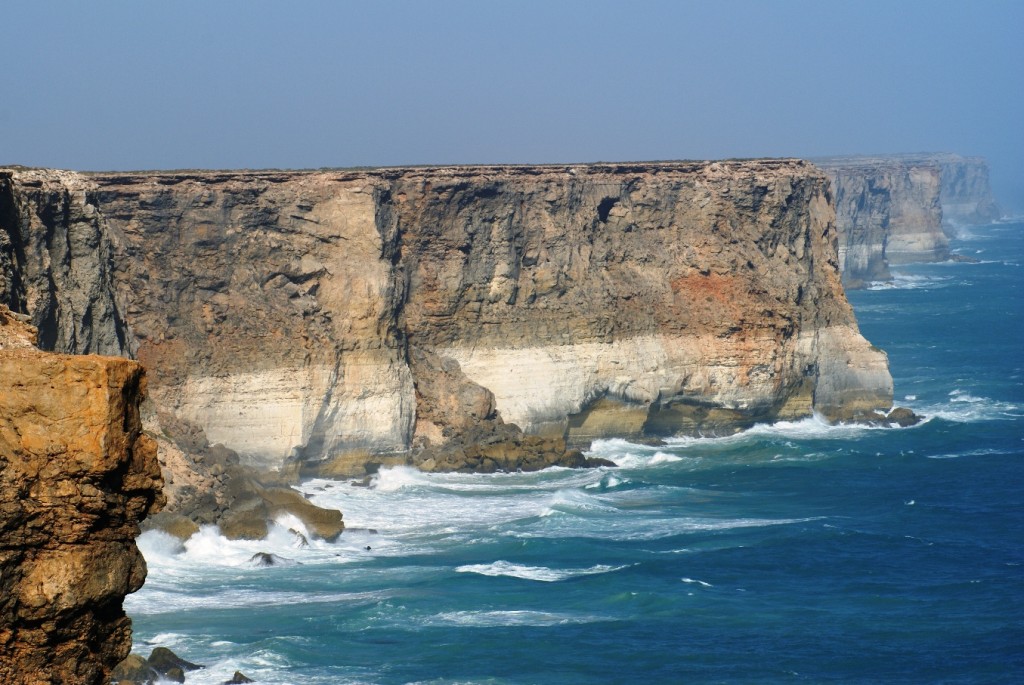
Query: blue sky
[[184, 84]]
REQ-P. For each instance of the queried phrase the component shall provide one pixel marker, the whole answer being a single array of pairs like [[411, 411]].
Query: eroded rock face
[[76, 477], [888, 211], [362, 316], [55, 262]]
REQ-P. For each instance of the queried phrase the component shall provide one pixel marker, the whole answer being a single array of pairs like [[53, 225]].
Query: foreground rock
[[467, 317], [163, 665], [77, 475]]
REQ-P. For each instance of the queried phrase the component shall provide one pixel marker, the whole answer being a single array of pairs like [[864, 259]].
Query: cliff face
[[966, 194], [304, 315], [76, 476], [55, 262], [895, 209], [888, 211]]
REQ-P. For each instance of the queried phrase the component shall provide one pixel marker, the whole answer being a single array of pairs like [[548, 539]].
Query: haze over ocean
[[115, 84]]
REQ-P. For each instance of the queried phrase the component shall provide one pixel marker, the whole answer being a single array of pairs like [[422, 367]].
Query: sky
[[136, 84]]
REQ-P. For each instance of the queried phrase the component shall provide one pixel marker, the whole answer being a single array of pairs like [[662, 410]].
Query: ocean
[[795, 552]]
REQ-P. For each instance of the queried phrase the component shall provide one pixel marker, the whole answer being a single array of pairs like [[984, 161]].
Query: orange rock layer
[[76, 477]]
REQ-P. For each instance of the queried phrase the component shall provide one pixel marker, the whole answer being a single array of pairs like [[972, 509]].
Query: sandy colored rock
[[346, 319], [76, 476]]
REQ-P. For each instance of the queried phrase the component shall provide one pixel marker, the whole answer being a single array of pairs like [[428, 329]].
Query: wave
[[905, 281], [539, 573], [501, 619], [633, 455], [644, 528], [697, 582], [154, 601], [963, 407], [969, 453]]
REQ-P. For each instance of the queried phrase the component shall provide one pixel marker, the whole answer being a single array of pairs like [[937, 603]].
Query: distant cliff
[[76, 477], [966, 194], [357, 316], [888, 211], [895, 209]]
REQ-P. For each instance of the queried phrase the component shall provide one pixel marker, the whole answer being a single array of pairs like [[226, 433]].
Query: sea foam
[[539, 573]]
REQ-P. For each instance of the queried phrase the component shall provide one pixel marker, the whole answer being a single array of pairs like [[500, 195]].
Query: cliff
[[76, 476], [888, 211], [465, 315], [895, 209], [55, 262], [966, 194]]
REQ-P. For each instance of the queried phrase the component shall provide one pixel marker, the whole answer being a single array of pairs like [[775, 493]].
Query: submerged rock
[[903, 417], [268, 559], [163, 659], [161, 666]]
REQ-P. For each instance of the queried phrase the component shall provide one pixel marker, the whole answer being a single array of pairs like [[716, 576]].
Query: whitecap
[[154, 601], [540, 573], [906, 281], [498, 619], [698, 582], [964, 407], [166, 639], [970, 453], [397, 478]]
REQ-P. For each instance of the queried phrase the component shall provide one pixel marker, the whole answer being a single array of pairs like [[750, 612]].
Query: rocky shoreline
[[298, 324]]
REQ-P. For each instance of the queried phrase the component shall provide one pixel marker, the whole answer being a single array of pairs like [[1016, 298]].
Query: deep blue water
[[790, 553]]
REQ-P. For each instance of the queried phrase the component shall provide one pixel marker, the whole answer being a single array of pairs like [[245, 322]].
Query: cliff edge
[[76, 477]]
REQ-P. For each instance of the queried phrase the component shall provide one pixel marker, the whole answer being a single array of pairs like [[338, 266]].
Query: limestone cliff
[[966, 194], [894, 209], [76, 477], [888, 211], [358, 315]]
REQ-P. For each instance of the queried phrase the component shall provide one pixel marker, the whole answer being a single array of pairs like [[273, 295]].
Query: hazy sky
[[182, 84]]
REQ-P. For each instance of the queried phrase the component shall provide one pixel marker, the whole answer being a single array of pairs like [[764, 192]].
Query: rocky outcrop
[[464, 315], [888, 211], [77, 475]]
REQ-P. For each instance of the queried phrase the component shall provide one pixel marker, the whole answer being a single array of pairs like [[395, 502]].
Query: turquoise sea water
[[790, 553]]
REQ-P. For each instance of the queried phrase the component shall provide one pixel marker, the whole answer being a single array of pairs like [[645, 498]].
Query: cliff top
[[915, 158], [454, 170]]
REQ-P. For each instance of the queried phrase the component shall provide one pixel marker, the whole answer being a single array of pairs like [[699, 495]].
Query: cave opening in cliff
[[605, 207]]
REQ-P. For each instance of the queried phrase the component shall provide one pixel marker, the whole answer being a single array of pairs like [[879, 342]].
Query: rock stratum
[[455, 318], [896, 209], [77, 475]]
